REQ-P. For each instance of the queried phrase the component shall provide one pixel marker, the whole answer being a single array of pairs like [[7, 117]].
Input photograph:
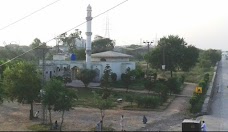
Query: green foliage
[[38, 52], [203, 84], [149, 85], [196, 103], [129, 98], [190, 57], [39, 127], [197, 100], [209, 58], [162, 90], [174, 53], [148, 101], [86, 76], [106, 78], [206, 77], [134, 46], [101, 103], [114, 76], [126, 78], [22, 83], [80, 54], [65, 101], [52, 89], [70, 40], [182, 79], [2, 93], [174, 85], [102, 44]]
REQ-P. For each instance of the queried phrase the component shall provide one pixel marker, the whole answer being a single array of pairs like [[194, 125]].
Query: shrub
[[182, 79], [148, 101], [206, 77], [203, 84], [174, 85], [114, 76], [129, 98]]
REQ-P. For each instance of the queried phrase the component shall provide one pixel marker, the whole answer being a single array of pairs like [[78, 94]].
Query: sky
[[202, 23]]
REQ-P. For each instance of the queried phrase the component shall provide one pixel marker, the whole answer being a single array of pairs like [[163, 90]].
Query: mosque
[[59, 66]]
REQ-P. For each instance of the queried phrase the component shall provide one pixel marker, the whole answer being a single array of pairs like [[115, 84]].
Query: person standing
[[203, 127], [36, 114], [122, 122], [144, 119], [98, 128]]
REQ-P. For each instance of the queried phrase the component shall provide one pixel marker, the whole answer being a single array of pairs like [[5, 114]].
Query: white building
[[117, 61]]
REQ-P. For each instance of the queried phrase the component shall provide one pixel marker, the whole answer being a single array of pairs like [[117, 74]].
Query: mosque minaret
[[88, 37]]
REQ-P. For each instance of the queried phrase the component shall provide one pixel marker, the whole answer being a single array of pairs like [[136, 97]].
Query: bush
[[129, 98], [203, 84], [148, 101], [174, 85], [182, 79], [196, 103], [114, 76], [206, 77]]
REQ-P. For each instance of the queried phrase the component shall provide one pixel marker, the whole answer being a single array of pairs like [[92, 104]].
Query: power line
[[64, 32], [29, 15], [93, 18]]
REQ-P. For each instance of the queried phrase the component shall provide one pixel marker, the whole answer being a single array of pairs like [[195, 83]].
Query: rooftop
[[110, 54]]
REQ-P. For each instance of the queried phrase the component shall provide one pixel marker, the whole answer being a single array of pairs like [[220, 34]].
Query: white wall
[[117, 67]]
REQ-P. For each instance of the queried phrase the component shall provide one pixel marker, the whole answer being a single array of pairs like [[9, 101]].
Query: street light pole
[[148, 47]]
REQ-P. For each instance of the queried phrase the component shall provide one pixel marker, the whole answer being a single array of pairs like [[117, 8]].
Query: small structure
[[191, 125]]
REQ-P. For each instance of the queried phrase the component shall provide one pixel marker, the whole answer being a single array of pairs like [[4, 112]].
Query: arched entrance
[[74, 72], [97, 78]]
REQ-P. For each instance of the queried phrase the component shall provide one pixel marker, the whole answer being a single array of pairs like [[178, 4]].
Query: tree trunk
[[62, 120], [31, 111], [171, 72], [49, 110]]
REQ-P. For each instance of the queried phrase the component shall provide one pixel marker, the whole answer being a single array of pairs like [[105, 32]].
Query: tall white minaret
[[88, 37]]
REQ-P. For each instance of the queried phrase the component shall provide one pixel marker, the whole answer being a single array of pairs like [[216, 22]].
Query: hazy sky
[[202, 23]]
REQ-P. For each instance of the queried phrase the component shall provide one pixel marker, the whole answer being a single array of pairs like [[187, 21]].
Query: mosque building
[[59, 66]]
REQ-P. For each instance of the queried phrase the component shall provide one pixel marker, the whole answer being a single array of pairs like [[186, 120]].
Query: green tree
[[102, 104], [212, 56], [102, 44], [52, 89], [86, 76], [70, 40], [161, 89], [2, 94], [37, 45], [64, 102], [22, 83], [173, 52], [174, 85], [190, 57], [126, 78], [106, 78], [80, 54]]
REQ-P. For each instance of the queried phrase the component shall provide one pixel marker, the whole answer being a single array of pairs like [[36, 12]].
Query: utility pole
[[148, 48], [44, 49]]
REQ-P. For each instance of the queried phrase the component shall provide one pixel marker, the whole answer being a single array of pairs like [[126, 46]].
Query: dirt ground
[[14, 116]]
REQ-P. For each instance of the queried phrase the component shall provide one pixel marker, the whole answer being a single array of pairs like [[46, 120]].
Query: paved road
[[217, 120]]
